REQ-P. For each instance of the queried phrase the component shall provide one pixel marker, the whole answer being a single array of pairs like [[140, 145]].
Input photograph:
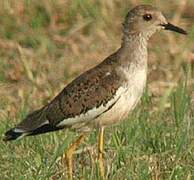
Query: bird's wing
[[85, 98]]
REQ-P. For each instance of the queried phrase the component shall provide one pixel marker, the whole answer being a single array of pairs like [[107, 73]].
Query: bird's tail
[[34, 124], [12, 135]]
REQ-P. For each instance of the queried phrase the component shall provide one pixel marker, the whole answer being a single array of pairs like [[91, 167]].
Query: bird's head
[[146, 20]]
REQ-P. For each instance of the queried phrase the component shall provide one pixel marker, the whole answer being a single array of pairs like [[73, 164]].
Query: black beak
[[172, 27]]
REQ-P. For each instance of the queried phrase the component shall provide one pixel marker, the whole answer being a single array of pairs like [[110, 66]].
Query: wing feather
[[86, 97]]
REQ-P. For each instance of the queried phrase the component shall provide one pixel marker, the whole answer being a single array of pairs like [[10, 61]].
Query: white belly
[[127, 101]]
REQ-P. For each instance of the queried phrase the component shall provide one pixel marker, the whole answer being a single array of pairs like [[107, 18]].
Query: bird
[[103, 95]]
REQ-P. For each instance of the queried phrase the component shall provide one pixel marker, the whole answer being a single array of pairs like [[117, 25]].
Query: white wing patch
[[92, 113]]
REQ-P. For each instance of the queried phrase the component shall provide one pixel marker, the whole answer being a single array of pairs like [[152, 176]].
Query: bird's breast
[[134, 87]]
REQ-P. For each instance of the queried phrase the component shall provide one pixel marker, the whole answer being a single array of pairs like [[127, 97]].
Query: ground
[[45, 44]]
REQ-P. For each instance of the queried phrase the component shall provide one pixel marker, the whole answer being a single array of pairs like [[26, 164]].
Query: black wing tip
[[11, 135], [44, 129]]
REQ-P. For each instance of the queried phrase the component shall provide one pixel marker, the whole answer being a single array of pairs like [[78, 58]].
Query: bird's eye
[[147, 17]]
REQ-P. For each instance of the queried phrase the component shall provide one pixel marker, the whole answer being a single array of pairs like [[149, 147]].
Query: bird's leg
[[100, 152], [69, 154]]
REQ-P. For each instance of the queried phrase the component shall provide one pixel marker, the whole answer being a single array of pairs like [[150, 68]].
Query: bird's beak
[[172, 27]]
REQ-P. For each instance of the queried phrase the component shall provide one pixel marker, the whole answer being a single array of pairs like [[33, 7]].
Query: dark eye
[[147, 17]]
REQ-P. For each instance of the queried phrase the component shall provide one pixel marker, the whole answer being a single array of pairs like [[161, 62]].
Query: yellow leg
[[69, 154], [100, 152]]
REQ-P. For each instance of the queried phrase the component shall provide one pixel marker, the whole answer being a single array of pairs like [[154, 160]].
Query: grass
[[45, 44]]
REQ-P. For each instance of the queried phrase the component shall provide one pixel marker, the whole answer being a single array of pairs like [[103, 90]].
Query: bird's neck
[[133, 50]]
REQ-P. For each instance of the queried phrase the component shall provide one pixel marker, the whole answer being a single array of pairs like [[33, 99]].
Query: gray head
[[146, 20]]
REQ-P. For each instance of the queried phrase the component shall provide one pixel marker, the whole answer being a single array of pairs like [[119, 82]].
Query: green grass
[[45, 44], [142, 147]]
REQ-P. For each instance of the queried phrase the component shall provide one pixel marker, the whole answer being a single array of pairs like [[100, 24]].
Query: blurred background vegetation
[[44, 44]]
